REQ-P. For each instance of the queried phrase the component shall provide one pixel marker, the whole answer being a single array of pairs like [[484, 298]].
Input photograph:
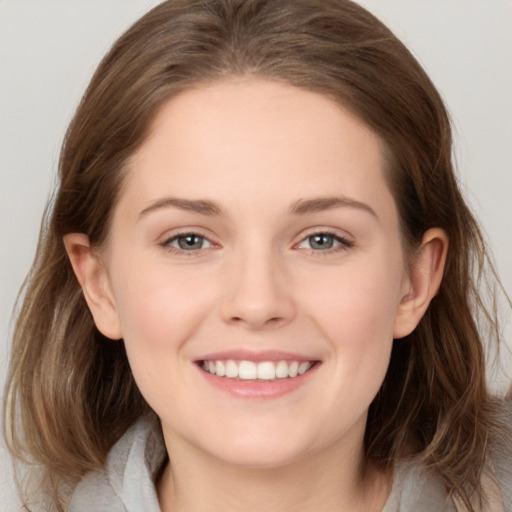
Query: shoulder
[[126, 482], [500, 449], [95, 494], [496, 479], [416, 488]]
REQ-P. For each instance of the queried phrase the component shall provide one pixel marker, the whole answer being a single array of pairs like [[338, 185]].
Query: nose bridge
[[257, 291]]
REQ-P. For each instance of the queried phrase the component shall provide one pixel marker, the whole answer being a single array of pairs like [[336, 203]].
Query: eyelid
[[165, 241], [173, 239], [346, 241]]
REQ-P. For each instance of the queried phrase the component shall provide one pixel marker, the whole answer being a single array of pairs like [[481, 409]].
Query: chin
[[258, 459], [259, 450]]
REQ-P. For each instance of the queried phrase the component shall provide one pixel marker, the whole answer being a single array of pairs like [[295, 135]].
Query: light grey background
[[49, 49]]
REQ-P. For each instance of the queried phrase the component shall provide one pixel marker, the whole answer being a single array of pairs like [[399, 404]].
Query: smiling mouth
[[267, 371]]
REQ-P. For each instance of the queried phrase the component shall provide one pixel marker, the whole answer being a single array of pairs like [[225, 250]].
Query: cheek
[[356, 316], [160, 312], [159, 309], [359, 305]]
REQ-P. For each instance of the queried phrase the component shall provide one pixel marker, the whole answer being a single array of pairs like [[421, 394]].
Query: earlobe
[[425, 277], [94, 280]]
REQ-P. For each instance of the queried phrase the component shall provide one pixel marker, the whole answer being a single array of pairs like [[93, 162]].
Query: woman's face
[[256, 236]]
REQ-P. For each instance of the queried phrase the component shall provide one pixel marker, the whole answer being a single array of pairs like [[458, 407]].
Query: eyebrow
[[299, 207], [319, 204], [200, 206]]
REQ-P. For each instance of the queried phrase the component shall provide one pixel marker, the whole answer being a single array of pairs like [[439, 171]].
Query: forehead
[[247, 139]]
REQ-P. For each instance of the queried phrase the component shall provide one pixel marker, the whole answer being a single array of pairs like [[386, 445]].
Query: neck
[[319, 483]]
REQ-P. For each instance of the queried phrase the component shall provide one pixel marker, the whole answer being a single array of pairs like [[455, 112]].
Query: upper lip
[[256, 356]]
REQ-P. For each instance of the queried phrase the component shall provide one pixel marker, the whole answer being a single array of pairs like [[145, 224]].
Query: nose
[[258, 294]]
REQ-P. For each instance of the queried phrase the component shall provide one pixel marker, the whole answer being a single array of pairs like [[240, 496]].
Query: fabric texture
[[126, 483]]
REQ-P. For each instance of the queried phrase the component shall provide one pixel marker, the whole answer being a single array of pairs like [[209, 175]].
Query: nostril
[[257, 310], [257, 322]]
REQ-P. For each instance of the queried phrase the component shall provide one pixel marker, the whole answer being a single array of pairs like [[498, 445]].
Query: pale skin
[[295, 247]]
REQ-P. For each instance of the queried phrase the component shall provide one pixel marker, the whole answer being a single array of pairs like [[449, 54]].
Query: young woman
[[257, 285]]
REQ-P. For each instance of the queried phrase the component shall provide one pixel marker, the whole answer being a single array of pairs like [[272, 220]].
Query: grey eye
[[189, 242], [321, 241]]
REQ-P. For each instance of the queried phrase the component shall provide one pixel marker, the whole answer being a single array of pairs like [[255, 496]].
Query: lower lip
[[258, 389]]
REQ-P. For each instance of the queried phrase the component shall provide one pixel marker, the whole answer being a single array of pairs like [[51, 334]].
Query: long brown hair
[[70, 392]]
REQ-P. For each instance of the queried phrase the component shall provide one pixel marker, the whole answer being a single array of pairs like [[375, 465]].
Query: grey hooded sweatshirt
[[126, 483]]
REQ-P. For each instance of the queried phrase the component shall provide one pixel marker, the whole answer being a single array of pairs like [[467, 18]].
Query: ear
[[423, 282], [94, 280]]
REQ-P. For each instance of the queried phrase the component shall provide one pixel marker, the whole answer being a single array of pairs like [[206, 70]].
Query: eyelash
[[343, 242], [166, 244]]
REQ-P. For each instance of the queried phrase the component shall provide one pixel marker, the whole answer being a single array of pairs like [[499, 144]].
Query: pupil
[[190, 242], [321, 241]]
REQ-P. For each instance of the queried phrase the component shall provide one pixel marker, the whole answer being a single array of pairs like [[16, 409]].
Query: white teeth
[[231, 369], [282, 370], [304, 367], [220, 368], [267, 371], [248, 370], [293, 369]]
